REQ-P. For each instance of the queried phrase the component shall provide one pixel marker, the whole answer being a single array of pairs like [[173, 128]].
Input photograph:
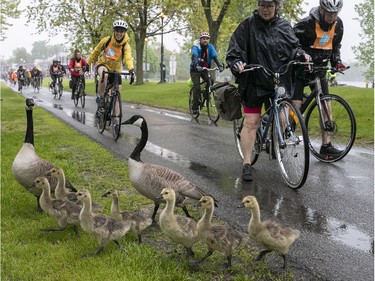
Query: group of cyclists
[[24, 77]]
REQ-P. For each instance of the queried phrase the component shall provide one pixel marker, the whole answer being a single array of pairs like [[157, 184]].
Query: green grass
[[29, 254]]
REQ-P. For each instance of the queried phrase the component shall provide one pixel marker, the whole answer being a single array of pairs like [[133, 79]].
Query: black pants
[[196, 79]]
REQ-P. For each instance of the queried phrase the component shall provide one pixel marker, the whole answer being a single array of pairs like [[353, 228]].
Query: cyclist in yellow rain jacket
[[112, 51]]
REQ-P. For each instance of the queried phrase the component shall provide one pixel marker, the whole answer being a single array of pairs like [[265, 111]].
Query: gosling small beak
[[105, 194], [160, 197], [33, 184], [241, 206], [48, 174]]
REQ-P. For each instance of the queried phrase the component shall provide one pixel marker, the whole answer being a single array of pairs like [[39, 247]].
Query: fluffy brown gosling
[[181, 230], [102, 227], [64, 212], [140, 221], [270, 234], [217, 237]]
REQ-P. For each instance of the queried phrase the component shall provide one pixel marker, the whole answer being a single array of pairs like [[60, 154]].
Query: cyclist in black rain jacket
[[267, 39]]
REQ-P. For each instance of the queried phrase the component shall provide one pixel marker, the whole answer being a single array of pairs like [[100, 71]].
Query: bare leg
[[248, 135], [102, 85]]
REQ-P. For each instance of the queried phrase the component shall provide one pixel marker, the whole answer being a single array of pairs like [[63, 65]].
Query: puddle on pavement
[[310, 219]]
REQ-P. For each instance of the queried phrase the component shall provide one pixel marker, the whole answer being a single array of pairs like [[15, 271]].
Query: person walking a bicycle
[[267, 39], [320, 34], [113, 51], [56, 70], [202, 53], [77, 67]]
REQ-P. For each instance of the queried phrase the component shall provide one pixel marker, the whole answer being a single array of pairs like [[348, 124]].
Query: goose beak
[[30, 103]]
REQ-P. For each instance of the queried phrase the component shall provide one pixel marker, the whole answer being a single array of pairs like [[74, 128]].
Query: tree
[[365, 51], [8, 9]]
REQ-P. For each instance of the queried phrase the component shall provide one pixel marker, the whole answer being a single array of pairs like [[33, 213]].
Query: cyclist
[[114, 50], [35, 74], [77, 66], [267, 39], [320, 34], [56, 70], [202, 54], [21, 77]]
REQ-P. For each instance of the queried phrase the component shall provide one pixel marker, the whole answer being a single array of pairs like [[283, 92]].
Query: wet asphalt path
[[334, 210]]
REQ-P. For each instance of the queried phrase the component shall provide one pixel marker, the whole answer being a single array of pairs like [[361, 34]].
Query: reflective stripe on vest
[[323, 38]]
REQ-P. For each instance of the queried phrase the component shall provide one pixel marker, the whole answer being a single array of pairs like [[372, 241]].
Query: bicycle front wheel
[[76, 95], [82, 96], [116, 118], [213, 113], [291, 144], [237, 128], [340, 130], [194, 114]]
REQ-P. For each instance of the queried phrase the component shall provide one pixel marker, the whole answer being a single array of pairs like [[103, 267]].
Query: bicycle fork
[[325, 112]]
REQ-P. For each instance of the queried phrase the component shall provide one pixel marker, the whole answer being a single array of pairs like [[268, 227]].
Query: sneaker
[[247, 174], [329, 149]]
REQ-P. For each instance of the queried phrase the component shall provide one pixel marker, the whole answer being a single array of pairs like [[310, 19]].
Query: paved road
[[333, 210]]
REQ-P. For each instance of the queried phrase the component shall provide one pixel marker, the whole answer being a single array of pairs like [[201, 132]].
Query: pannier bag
[[227, 101], [71, 84]]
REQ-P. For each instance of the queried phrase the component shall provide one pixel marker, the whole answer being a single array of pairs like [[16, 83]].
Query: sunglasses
[[120, 30]]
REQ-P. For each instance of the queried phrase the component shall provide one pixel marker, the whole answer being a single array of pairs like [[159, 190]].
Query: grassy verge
[[28, 254]]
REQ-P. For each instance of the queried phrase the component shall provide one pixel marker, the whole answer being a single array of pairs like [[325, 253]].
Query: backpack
[[107, 43], [227, 101]]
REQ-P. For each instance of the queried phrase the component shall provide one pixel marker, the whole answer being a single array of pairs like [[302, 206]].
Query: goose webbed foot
[[122, 248], [262, 254], [284, 258], [198, 262], [228, 264], [139, 239]]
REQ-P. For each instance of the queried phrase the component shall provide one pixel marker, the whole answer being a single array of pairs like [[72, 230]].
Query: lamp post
[[146, 65], [162, 67]]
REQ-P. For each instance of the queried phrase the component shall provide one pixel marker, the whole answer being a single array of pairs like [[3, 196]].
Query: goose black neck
[[29, 138], [136, 154]]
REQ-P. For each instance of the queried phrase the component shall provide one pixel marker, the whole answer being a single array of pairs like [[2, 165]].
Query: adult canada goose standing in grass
[[27, 165], [270, 234], [150, 179], [140, 221], [217, 237], [181, 230], [64, 212], [103, 227]]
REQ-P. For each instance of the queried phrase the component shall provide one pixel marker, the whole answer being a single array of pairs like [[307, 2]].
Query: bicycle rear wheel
[[213, 112], [116, 119], [291, 147], [341, 130], [193, 114], [237, 128], [76, 95]]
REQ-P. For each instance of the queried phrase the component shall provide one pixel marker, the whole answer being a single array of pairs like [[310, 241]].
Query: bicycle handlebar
[[318, 68], [118, 73], [209, 69], [270, 73]]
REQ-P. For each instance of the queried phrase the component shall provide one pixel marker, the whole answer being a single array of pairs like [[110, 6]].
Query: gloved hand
[[239, 66], [199, 68], [132, 76], [341, 67], [84, 68], [221, 68], [303, 56]]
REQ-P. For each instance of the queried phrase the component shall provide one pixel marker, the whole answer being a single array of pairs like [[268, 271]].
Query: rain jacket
[[196, 55], [105, 53], [305, 31], [271, 44]]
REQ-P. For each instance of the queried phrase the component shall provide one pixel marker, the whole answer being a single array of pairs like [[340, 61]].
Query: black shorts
[[111, 77]]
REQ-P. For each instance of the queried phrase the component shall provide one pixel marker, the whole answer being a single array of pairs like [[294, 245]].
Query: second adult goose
[[140, 221], [27, 165], [150, 179], [270, 234], [103, 227]]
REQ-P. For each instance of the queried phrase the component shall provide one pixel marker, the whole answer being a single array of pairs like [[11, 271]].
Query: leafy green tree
[[365, 51], [8, 9]]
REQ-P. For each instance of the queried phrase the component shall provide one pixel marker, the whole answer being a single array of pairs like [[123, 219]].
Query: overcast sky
[[19, 35]]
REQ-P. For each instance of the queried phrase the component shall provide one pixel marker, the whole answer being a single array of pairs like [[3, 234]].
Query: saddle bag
[[227, 101]]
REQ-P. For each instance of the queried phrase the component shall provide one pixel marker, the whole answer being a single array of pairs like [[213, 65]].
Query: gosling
[[140, 221], [181, 230], [217, 237], [272, 235], [103, 227]]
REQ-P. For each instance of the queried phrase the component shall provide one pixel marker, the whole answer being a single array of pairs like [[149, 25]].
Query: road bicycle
[[79, 94], [36, 83], [58, 89], [106, 115], [328, 116], [282, 132], [208, 99]]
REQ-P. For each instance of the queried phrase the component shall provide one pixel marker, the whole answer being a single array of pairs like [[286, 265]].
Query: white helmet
[[120, 23], [333, 6]]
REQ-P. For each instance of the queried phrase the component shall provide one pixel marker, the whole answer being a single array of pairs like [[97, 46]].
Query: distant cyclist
[[320, 35], [21, 77], [77, 66], [113, 51], [56, 71], [202, 53], [35, 75]]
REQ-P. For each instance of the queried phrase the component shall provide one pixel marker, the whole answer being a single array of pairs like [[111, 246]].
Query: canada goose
[[63, 193], [150, 179], [272, 235], [181, 230], [64, 212], [140, 222], [27, 165], [103, 227], [217, 237]]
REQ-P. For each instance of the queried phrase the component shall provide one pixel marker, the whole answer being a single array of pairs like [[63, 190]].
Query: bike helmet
[[121, 24], [333, 6], [55, 61], [204, 34], [277, 2]]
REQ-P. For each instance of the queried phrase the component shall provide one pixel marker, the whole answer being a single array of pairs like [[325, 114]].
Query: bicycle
[[79, 92], [21, 84], [36, 84], [208, 99], [58, 88], [112, 99], [330, 115], [282, 132]]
